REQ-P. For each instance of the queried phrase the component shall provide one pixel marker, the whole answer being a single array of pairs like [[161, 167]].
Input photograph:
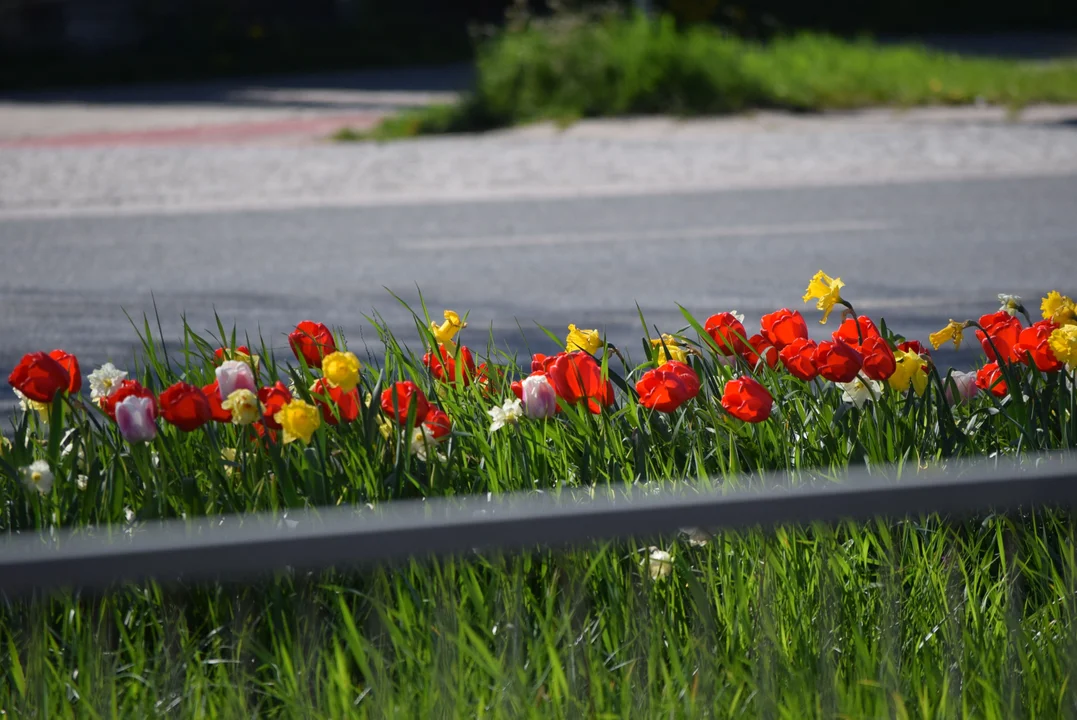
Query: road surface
[[923, 222]]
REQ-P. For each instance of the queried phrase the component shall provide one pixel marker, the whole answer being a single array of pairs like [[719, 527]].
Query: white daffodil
[[659, 563], [422, 441], [508, 414], [26, 405], [81, 481], [38, 476], [104, 380], [861, 391], [68, 444], [697, 537], [1010, 304], [737, 315]]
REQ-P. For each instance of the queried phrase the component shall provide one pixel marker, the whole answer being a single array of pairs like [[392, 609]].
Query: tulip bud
[[235, 375], [539, 398], [135, 416], [966, 387]]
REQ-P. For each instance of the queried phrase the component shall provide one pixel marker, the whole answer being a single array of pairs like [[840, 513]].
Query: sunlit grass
[[927, 616]]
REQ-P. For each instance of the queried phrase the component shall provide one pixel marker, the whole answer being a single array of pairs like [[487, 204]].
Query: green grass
[[569, 68], [919, 617]]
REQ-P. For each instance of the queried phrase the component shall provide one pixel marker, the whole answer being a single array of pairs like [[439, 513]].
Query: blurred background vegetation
[[71, 42]]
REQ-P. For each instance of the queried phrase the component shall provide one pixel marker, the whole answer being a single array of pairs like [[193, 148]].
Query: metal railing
[[236, 547]]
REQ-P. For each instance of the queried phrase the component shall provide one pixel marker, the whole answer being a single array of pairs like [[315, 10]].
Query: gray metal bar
[[240, 547]]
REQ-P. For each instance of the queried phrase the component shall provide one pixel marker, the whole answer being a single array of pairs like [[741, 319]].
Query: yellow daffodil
[[1059, 308], [26, 404], [952, 331], [228, 458], [446, 331], [385, 426], [586, 340], [244, 406], [676, 350], [299, 420], [909, 371], [1063, 343], [826, 291], [341, 369]]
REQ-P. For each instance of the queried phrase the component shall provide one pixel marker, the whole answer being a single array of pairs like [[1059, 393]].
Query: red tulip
[[760, 347], [443, 365], [667, 387], [484, 378], [989, 377], [124, 390], [39, 377], [1032, 346], [798, 358], [222, 354], [71, 364], [747, 400], [783, 326], [437, 422], [577, 377], [397, 400], [541, 363], [273, 398], [728, 333], [311, 341], [213, 395], [837, 361], [266, 434], [185, 406], [329, 397], [847, 331], [1004, 331], [879, 362], [916, 347]]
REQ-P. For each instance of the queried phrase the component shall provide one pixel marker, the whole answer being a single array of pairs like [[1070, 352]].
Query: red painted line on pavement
[[217, 133]]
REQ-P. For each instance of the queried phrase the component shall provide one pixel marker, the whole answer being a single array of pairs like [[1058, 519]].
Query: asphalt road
[[916, 254]]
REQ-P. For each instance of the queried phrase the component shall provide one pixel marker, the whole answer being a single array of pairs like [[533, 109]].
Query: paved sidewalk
[[593, 158]]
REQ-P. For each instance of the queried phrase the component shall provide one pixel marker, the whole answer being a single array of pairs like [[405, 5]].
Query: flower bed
[[220, 427]]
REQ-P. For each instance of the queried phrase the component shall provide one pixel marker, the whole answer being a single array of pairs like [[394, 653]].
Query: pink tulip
[[135, 416], [539, 398], [966, 387], [235, 375]]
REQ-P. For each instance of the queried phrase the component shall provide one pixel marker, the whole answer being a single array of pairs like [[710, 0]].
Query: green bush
[[569, 67], [612, 67]]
